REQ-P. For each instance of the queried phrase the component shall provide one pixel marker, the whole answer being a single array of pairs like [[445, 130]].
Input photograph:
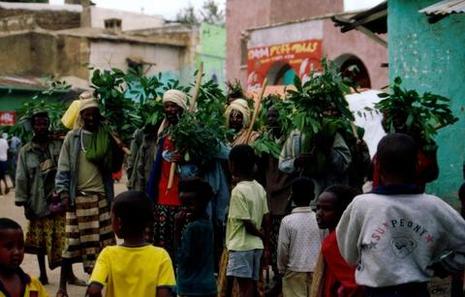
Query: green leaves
[[199, 134], [319, 100], [418, 115], [265, 144]]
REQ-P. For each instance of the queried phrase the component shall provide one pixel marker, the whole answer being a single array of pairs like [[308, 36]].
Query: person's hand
[[302, 160], [171, 156], [64, 197]]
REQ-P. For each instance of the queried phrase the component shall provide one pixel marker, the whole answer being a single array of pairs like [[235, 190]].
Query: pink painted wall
[[242, 15], [246, 14], [356, 43]]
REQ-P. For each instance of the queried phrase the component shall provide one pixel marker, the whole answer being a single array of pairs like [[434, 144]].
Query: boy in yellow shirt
[[134, 268], [14, 282]]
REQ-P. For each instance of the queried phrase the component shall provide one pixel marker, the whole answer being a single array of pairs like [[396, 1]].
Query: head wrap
[[177, 97], [87, 103], [241, 106]]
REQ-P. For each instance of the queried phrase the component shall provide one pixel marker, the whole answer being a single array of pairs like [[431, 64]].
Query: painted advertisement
[[302, 56], [7, 118]]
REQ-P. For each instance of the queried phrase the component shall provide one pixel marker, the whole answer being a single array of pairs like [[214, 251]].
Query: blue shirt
[[195, 260]]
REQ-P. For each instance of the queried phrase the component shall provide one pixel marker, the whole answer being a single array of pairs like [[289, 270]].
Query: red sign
[[7, 118], [302, 56]]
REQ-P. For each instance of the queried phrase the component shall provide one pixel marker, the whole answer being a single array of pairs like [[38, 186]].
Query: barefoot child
[[134, 268], [195, 256], [14, 282]]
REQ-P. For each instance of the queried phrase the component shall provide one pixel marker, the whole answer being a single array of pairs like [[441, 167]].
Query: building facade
[[290, 38], [430, 57]]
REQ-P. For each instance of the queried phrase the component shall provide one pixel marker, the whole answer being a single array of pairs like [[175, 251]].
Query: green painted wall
[[11, 100], [212, 51], [431, 57]]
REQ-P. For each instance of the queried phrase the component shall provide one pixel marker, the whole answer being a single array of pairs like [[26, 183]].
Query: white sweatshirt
[[394, 239]]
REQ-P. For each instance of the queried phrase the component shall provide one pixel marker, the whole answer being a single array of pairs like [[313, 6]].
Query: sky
[[169, 8]]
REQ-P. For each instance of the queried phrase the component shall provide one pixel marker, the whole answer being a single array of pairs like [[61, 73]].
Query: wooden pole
[[257, 109], [195, 95], [120, 143]]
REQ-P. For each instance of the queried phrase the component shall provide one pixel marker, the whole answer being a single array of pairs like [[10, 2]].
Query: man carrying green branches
[[87, 159]]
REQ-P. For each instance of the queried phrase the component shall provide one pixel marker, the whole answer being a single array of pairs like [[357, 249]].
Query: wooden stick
[[120, 143], [257, 109], [195, 95]]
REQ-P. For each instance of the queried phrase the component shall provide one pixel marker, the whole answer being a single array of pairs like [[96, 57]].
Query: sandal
[[61, 293]]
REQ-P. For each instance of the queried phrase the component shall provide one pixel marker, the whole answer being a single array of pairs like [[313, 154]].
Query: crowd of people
[[213, 230]]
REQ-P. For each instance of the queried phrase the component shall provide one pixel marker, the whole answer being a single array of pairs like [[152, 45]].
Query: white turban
[[87, 103], [241, 106], [177, 97]]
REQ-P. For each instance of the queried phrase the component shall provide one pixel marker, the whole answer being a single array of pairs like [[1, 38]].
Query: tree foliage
[[209, 13]]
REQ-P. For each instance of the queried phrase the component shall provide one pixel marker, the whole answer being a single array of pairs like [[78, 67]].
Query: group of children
[[389, 242]]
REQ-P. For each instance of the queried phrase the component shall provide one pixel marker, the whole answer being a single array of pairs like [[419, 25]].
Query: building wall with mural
[[430, 57], [279, 52], [245, 14]]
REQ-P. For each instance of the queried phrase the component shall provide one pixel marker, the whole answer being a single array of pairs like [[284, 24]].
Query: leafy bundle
[[38, 103], [199, 134], [266, 143], [120, 113], [319, 105], [418, 115]]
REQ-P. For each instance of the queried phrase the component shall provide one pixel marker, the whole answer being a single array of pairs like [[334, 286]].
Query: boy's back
[[248, 202], [395, 238], [133, 271], [299, 241]]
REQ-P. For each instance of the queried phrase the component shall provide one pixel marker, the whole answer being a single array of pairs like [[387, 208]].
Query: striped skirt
[[88, 230]]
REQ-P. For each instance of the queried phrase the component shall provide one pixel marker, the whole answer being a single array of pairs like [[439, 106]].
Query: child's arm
[[164, 292], [252, 229], [283, 248], [94, 290], [99, 275], [266, 227], [165, 279]]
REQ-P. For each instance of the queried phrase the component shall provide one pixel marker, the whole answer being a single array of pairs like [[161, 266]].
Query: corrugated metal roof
[[445, 7]]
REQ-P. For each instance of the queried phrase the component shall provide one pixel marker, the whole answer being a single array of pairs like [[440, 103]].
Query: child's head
[[397, 157], [242, 160], [132, 213], [195, 194], [302, 191], [331, 204], [11, 245]]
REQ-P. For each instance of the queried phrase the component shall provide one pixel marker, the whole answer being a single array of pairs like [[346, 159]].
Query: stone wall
[[46, 19]]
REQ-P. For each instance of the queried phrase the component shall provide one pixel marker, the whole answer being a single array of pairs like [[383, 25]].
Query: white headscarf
[[177, 97], [241, 106]]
